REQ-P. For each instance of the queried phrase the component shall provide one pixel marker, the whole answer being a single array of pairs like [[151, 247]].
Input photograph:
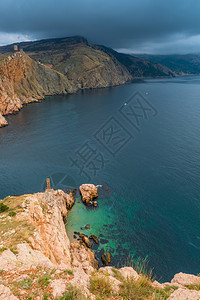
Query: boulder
[[3, 121], [88, 193], [128, 272], [185, 279], [106, 258], [95, 238], [59, 287], [86, 240], [88, 226], [185, 294]]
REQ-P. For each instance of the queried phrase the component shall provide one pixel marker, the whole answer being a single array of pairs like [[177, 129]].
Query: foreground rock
[[185, 294], [46, 212], [88, 193], [183, 279]]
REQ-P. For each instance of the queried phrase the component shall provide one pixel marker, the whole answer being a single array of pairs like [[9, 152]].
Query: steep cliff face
[[22, 80]]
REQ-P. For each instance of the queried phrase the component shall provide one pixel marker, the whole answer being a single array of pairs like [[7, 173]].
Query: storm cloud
[[144, 26]]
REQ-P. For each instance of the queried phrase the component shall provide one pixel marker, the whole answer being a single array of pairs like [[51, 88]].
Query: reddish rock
[[95, 238], [3, 121]]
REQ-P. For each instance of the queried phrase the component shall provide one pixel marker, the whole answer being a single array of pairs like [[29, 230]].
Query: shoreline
[[4, 122]]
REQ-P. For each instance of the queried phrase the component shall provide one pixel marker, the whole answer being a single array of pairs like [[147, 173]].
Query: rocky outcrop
[[106, 258], [3, 121], [88, 193], [5, 293], [185, 294], [46, 212], [183, 279]]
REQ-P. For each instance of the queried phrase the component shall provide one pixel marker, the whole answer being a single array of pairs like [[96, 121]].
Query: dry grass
[[73, 293], [13, 228], [132, 289], [193, 287], [100, 285]]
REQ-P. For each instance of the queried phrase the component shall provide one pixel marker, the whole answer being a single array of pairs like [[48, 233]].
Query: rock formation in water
[[88, 193], [38, 261], [3, 121]]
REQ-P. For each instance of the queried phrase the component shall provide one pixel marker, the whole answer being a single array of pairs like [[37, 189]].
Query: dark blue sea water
[[148, 165]]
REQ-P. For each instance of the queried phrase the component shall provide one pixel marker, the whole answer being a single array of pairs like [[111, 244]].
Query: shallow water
[[149, 203]]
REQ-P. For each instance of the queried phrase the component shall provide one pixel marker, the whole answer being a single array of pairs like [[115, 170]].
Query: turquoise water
[[149, 201]]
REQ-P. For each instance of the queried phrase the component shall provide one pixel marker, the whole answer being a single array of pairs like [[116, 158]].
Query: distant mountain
[[139, 67], [180, 64]]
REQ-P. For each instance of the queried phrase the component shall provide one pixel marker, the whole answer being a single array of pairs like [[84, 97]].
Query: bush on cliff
[[100, 286], [3, 207], [73, 293]]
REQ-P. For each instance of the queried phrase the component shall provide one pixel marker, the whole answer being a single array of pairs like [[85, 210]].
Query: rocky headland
[[38, 261], [64, 66]]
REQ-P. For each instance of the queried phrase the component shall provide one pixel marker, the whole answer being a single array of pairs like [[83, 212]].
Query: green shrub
[[3, 249], [69, 272], [73, 293], [170, 288], [12, 214], [25, 284], [44, 280], [3, 207]]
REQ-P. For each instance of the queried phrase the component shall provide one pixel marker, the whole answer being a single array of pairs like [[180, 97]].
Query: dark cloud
[[134, 25]]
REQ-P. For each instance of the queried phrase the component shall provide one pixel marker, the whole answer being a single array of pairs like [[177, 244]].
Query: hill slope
[[139, 67], [180, 64]]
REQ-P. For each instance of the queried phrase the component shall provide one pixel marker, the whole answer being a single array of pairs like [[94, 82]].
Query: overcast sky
[[135, 26]]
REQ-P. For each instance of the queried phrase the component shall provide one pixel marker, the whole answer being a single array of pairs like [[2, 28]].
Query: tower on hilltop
[[15, 48]]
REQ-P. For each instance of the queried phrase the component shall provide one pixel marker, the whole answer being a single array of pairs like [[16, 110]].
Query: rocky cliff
[[23, 80], [37, 260]]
